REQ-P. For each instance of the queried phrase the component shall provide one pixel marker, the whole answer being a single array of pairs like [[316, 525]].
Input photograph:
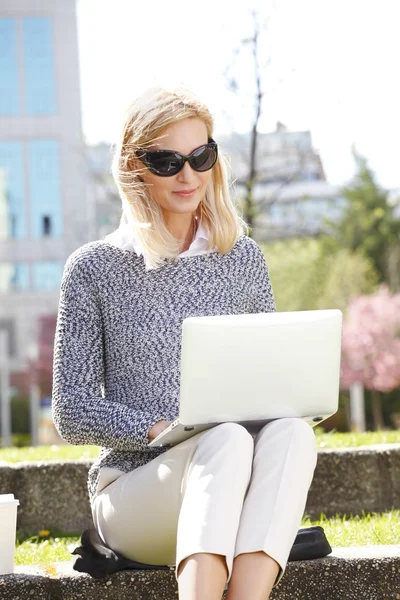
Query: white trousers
[[220, 492]]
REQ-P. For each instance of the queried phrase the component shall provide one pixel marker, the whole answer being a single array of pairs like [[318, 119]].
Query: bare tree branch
[[251, 207]]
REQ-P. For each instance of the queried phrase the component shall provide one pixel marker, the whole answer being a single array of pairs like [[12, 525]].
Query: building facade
[[104, 195], [44, 215], [292, 196]]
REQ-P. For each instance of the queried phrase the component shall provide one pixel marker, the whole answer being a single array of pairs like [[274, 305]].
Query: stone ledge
[[358, 573], [53, 495], [353, 480]]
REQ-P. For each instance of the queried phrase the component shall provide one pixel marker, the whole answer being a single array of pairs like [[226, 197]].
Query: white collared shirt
[[125, 238]]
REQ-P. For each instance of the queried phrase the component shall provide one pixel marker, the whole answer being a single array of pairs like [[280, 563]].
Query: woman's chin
[[183, 206]]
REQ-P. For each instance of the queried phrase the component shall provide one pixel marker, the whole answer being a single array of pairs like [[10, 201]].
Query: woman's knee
[[303, 429], [234, 435], [235, 431], [297, 429]]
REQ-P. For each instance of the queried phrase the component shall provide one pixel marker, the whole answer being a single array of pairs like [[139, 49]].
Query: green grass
[[61, 452], [366, 530], [68, 452], [40, 552], [336, 439], [370, 529]]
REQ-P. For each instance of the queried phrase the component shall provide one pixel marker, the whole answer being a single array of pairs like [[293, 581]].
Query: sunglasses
[[166, 163]]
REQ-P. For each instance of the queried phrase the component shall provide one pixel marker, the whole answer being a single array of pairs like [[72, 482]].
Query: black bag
[[310, 542], [97, 559]]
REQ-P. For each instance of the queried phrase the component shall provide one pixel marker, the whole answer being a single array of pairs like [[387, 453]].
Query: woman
[[220, 507]]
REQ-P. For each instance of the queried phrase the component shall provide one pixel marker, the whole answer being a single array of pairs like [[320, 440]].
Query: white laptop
[[254, 368]]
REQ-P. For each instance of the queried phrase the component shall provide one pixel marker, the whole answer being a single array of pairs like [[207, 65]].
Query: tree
[[306, 276], [266, 166], [254, 89], [369, 225], [251, 42], [371, 345]]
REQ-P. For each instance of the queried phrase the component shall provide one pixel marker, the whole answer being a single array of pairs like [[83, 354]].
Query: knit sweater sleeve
[[261, 293], [81, 411]]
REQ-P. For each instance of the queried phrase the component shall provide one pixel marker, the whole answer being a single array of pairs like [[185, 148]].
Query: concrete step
[[53, 495], [358, 573]]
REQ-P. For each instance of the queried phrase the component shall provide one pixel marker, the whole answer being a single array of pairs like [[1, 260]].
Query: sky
[[333, 69]]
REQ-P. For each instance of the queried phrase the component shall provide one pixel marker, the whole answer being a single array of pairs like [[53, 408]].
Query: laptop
[[254, 368]]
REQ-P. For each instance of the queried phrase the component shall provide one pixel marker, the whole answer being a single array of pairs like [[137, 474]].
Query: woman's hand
[[157, 429]]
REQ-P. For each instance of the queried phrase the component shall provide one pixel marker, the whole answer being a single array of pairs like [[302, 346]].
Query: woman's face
[[184, 137]]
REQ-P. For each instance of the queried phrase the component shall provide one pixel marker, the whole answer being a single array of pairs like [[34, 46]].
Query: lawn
[[68, 452], [370, 529], [336, 439]]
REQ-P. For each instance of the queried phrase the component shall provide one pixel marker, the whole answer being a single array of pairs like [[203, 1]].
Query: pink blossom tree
[[371, 345]]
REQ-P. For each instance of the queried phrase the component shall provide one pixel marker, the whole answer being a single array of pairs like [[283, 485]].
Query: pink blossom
[[371, 341]]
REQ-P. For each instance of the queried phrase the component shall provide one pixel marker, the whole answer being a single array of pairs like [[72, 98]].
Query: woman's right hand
[[157, 429]]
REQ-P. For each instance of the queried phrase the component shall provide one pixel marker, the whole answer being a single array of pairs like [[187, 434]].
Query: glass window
[[39, 66], [9, 96], [12, 209], [44, 188], [47, 275], [46, 225], [14, 277]]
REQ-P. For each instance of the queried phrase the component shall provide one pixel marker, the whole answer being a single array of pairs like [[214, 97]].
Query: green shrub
[[20, 417]]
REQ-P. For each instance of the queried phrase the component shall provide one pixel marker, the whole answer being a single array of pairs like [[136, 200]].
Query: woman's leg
[[183, 508], [202, 576], [285, 457], [253, 576], [216, 483]]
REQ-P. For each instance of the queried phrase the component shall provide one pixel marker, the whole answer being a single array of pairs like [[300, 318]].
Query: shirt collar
[[125, 238]]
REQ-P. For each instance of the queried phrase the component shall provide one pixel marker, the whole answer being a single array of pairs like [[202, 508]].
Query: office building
[[44, 214]]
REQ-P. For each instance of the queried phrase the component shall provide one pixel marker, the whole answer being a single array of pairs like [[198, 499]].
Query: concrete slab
[[358, 573]]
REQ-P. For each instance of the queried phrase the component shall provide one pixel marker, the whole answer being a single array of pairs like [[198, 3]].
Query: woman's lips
[[186, 193]]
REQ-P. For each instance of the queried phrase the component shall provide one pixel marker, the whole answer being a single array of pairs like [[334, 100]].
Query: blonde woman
[[222, 509]]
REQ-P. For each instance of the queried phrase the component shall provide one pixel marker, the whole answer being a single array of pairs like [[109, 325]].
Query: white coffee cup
[[8, 529]]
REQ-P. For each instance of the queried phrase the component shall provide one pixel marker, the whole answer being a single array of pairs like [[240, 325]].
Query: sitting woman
[[221, 507]]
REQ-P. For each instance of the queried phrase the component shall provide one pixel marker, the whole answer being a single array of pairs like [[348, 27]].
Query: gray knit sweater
[[118, 338]]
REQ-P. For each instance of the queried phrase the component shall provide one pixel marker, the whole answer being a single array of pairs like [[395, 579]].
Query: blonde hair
[[144, 122]]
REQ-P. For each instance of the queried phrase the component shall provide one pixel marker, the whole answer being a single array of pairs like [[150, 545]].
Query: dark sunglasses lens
[[203, 158], [164, 163]]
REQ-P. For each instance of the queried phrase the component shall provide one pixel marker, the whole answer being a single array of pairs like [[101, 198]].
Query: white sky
[[335, 69]]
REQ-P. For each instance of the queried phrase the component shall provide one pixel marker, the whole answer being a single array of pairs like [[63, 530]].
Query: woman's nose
[[187, 173]]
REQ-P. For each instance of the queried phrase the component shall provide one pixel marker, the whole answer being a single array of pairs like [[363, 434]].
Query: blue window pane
[[14, 277], [12, 213], [47, 275], [9, 97], [44, 189], [39, 66]]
